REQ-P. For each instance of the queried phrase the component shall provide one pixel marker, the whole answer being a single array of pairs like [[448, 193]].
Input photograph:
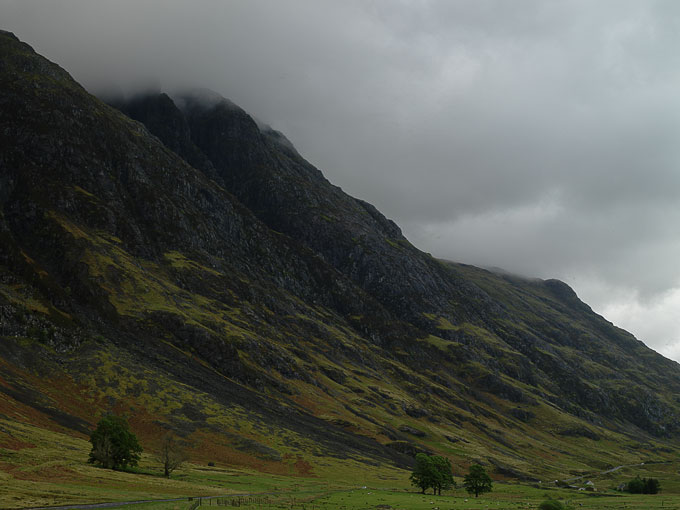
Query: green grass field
[[223, 487], [505, 496], [41, 468]]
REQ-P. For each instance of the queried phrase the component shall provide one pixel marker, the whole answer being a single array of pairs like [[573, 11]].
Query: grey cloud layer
[[537, 136]]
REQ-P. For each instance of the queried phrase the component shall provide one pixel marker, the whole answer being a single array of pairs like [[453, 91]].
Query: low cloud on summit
[[540, 137]]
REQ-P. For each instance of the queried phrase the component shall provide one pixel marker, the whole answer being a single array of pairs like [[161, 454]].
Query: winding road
[[569, 480]]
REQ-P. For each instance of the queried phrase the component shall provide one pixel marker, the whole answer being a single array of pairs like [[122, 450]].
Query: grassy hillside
[[320, 349]]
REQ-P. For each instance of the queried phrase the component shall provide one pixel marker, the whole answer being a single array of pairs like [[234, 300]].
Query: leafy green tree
[[635, 486], [424, 474], [443, 474], [114, 446], [477, 480], [652, 486], [643, 486], [432, 472]]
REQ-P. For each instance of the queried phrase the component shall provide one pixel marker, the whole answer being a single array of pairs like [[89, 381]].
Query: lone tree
[[432, 472], [477, 480], [114, 446], [172, 455]]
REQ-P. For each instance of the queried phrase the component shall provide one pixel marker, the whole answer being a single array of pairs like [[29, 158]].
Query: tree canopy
[[444, 478], [477, 481], [432, 472], [643, 486], [114, 446]]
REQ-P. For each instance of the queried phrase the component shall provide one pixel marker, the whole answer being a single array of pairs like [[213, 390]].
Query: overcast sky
[[541, 136]]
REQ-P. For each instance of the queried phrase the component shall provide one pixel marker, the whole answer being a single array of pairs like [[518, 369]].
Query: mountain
[[171, 259]]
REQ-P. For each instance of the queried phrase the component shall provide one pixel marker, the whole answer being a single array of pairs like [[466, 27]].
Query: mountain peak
[[175, 251]]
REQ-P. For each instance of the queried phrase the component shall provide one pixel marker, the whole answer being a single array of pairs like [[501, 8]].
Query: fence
[[232, 501]]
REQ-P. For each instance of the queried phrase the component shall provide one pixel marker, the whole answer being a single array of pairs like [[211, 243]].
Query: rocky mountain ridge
[[176, 240]]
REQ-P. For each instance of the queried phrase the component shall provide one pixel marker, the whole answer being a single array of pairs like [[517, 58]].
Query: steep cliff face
[[261, 168], [160, 115], [194, 267], [292, 196]]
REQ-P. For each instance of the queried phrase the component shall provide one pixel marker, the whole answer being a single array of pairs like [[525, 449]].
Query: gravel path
[[568, 480]]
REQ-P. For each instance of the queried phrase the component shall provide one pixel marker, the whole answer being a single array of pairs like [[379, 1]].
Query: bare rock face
[[264, 171]]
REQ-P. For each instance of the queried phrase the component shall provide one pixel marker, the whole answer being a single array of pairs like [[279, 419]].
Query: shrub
[[551, 504]]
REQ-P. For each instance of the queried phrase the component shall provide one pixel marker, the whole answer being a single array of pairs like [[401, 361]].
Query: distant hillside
[[172, 260]]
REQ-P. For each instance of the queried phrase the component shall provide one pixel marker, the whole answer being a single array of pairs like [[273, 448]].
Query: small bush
[[211, 464], [551, 504]]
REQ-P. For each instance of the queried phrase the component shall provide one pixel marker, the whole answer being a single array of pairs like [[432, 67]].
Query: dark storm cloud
[[538, 136]]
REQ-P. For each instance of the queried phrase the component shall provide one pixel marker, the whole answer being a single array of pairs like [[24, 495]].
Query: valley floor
[[59, 483], [43, 468], [505, 496]]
